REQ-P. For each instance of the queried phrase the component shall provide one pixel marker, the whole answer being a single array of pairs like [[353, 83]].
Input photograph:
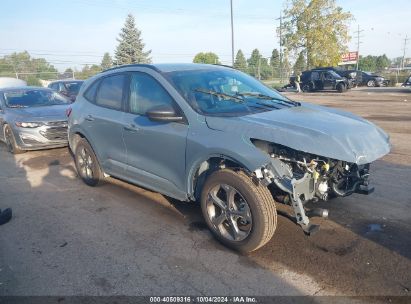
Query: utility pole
[[232, 34], [405, 49], [358, 36], [281, 47]]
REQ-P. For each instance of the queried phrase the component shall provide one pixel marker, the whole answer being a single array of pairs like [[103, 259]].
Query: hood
[[47, 113], [313, 129]]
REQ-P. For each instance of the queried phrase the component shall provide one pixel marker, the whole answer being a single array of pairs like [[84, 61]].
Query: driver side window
[[145, 93]]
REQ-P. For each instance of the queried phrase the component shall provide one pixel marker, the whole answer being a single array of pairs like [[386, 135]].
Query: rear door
[[103, 123], [155, 150]]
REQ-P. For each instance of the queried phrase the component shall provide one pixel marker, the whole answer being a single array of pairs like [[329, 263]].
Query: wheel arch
[[203, 167]]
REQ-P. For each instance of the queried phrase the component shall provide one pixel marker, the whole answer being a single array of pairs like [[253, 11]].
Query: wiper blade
[[266, 97], [218, 94], [17, 106], [268, 105]]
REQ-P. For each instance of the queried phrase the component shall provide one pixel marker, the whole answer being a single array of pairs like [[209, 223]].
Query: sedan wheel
[[10, 141], [371, 83]]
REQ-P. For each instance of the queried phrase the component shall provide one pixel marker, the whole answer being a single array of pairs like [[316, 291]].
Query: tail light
[[68, 111]]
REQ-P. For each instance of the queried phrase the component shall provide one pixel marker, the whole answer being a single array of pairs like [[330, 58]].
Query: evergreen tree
[[240, 62], [107, 61], [299, 65], [131, 47], [275, 63], [254, 63], [275, 59]]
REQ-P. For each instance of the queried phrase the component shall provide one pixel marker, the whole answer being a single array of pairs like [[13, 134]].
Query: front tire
[[239, 213], [87, 164], [11, 141], [371, 83], [341, 88]]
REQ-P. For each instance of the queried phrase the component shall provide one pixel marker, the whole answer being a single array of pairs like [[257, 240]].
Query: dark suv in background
[[359, 78], [323, 79], [68, 88]]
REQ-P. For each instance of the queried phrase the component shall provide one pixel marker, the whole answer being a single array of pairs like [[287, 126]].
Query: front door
[[155, 150], [328, 81]]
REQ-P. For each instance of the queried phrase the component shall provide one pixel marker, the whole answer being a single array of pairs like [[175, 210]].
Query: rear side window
[[110, 92], [90, 93]]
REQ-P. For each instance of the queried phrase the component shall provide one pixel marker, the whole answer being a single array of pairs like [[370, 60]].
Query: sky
[[78, 32]]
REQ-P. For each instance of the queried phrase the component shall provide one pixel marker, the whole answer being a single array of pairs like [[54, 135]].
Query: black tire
[[371, 83], [260, 210], [306, 88], [11, 141], [87, 165], [341, 88]]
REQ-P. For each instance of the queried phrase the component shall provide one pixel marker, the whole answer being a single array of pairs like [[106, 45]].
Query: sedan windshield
[[226, 92], [24, 98]]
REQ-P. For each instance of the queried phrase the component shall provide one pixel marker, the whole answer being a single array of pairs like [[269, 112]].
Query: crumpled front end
[[297, 177]]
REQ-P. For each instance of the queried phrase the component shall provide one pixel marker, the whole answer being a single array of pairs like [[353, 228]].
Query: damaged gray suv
[[217, 136]]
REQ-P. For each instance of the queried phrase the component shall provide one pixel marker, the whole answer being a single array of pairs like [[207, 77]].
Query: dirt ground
[[117, 239]]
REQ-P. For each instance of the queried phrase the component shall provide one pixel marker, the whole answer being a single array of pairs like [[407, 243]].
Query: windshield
[[73, 87], [23, 98], [226, 92]]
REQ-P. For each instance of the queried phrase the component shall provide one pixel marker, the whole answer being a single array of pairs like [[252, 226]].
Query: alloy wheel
[[229, 213], [85, 163]]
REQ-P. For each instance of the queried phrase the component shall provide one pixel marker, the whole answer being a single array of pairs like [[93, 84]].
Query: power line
[[281, 47], [404, 51], [232, 34], [358, 36]]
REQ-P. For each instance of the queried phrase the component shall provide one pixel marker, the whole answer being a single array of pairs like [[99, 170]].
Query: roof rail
[[224, 65], [132, 65]]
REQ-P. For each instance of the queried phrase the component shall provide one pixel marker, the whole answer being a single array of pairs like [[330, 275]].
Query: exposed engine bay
[[299, 177]]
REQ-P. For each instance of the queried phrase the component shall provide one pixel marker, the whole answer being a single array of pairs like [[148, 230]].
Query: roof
[[172, 67], [24, 88], [67, 80]]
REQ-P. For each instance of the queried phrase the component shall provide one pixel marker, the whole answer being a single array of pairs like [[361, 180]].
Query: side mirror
[[164, 113]]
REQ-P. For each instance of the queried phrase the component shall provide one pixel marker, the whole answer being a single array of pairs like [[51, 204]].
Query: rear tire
[[306, 88], [11, 141], [245, 222], [87, 164]]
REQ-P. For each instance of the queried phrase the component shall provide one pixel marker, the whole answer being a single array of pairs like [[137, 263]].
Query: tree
[[275, 58], [130, 48], [373, 63], [208, 58], [299, 64], [107, 61], [254, 63], [240, 62], [317, 27], [88, 71], [23, 66]]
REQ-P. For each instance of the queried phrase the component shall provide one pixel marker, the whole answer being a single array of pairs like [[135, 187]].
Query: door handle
[[131, 128], [89, 118]]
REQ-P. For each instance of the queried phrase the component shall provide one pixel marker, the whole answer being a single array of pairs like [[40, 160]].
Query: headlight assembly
[[28, 124]]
